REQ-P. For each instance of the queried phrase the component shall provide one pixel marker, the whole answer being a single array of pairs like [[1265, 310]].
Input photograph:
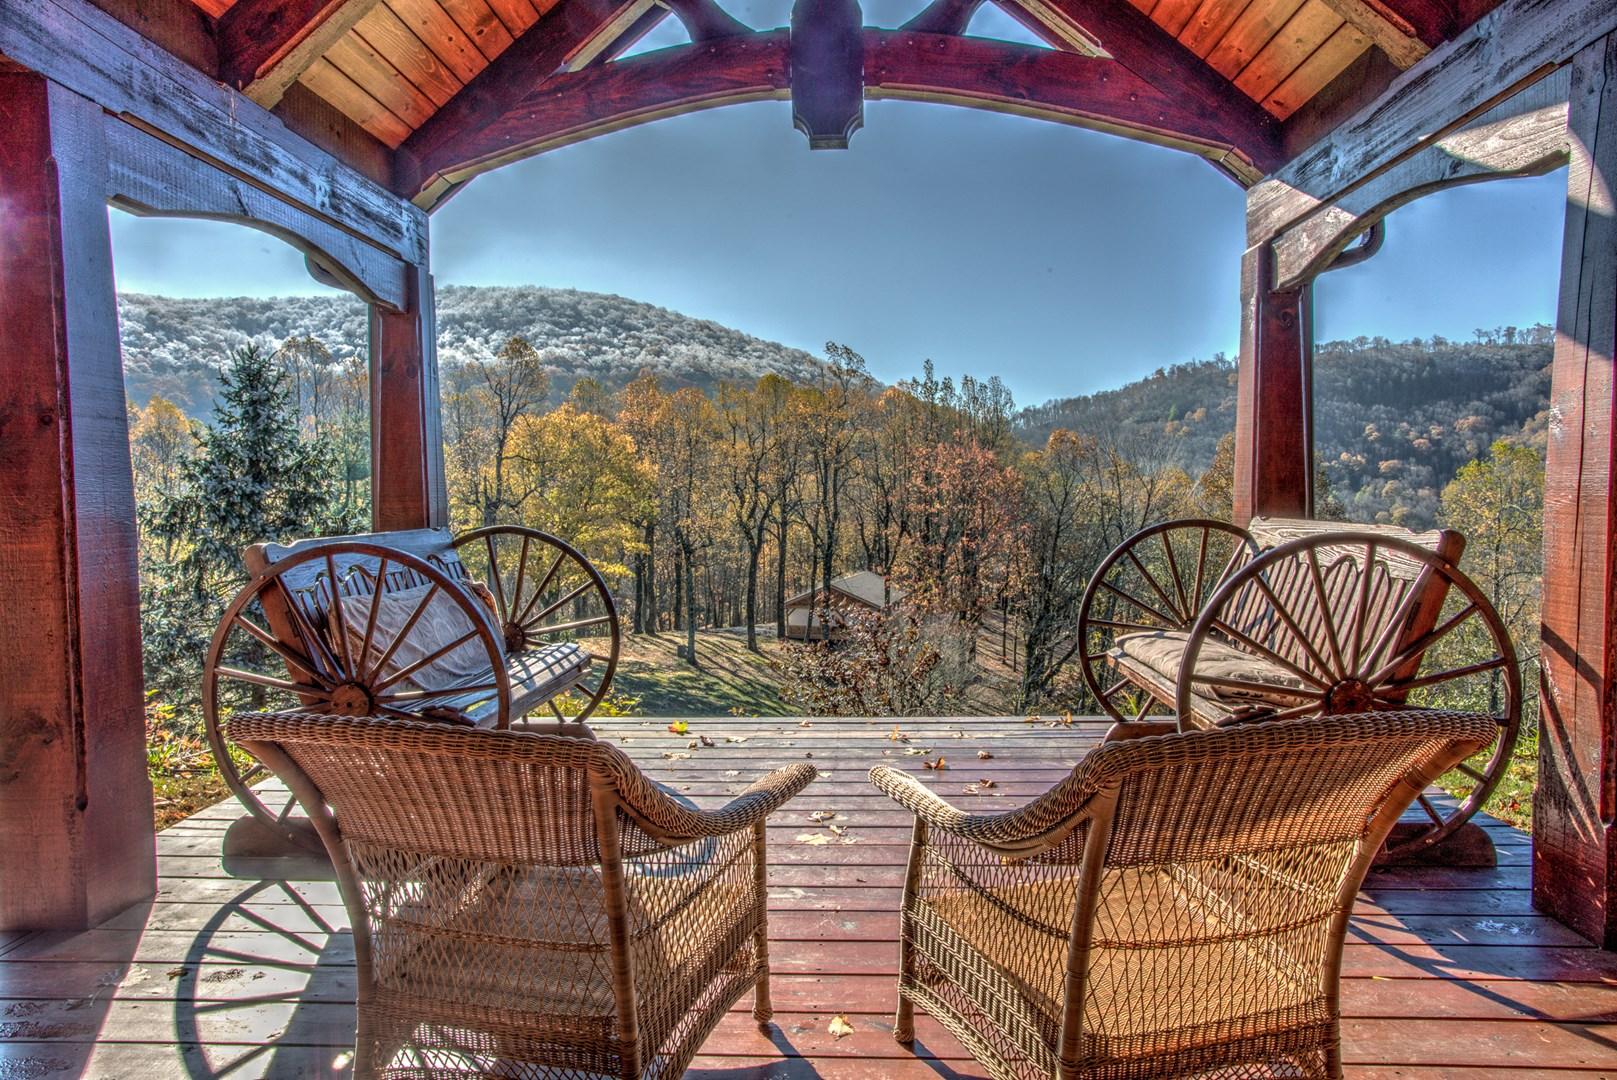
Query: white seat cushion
[[1163, 651]]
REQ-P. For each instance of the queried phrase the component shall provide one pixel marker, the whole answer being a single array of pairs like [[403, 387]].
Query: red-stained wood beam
[[1274, 446], [1059, 86], [75, 800], [408, 489], [564, 30], [264, 45], [1575, 804], [1156, 56]]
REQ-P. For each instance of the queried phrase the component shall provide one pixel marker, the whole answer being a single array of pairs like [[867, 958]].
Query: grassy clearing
[[729, 681]]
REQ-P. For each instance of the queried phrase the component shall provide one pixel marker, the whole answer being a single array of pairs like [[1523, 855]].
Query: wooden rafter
[[568, 28], [264, 45], [1150, 52], [1060, 86], [1393, 36]]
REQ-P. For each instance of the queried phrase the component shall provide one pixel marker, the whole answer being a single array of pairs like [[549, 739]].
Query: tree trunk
[[690, 612], [783, 527]]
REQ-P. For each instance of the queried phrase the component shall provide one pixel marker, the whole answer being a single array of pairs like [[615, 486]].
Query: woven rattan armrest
[[1020, 832], [1140, 729], [673, 823]]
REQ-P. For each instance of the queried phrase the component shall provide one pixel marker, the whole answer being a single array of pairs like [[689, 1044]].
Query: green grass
[[1512, 801], [729, 679]]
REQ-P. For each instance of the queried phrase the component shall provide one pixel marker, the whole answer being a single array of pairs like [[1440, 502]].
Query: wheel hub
[[351, 699], [1350, 696]]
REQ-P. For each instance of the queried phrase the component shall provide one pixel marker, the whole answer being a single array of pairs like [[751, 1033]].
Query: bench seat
[[1152, 660], [536, 676]]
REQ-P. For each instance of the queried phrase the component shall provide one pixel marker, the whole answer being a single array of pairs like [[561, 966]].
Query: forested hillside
[[175, 347], [1394, 421]]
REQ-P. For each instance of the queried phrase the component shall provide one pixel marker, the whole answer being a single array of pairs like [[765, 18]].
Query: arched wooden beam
[[1064, 87], [1525, 135], [150, 178]]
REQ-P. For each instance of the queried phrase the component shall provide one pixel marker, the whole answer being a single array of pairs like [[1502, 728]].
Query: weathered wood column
[[75, 800], [407, 452], [1575, 806], [1274, 444]]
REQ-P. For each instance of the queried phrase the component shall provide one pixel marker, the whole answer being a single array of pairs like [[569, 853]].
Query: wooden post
[[407, 452], [1274, 443], [75, 800], [1575, 806]]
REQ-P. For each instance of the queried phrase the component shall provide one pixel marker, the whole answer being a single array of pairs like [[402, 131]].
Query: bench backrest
[[1393, 577], [309, 584]]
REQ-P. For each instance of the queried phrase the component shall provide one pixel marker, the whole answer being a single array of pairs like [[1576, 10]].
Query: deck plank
[[245, 964]]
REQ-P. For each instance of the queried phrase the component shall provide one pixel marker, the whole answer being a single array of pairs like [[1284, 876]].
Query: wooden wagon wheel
[[1157, 579], [1334, 619], [272, 653], [546, 591]]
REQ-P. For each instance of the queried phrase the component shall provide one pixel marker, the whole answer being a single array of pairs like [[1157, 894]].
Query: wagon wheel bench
[[1216, 625], [478, 630]]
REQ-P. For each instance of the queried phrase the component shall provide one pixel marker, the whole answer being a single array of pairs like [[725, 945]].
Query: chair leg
[[904, 1019], [762, 1007]]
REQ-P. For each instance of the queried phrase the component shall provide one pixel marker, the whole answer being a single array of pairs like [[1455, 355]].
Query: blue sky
[[1062, 260]]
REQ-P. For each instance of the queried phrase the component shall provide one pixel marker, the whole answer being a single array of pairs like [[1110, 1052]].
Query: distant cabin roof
[[865, 586]]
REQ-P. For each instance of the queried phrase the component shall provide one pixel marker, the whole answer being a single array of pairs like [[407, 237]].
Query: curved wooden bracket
[[1065, 87]]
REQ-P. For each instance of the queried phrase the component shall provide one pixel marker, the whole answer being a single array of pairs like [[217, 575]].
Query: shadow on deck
[[243, 966]]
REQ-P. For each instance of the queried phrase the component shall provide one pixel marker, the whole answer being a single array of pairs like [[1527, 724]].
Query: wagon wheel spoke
[[417, 696], [253, 773], [1452, 674], [404, 632], [1395, 625], [307, 632], [1120, 624], [1269, 654], [1175, 576], [339, 627], [437, 654], [370, 618], [567, 627], [557, 711], [552, 608], [293, 658], [522, 572], [1129, 598], [496, 580], [1151, 580], [1361, 608], [1296, 712], [286, 811], [1260, 688], [269, 681], [1292, 626], [1475, 774], [522, 616], [1316, 578], [1421, 645], [1431, 811], [1201, 567]]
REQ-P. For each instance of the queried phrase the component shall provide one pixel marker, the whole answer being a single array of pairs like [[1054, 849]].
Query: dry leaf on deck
[[985, 782], [897, 736], [819, 816], [838, 830], [679, 727], [705, 740], [839, 1027], [916, 750], [984, 754], [692, 745], [814, 839], [938, 764], [735, 738], [804, 723]]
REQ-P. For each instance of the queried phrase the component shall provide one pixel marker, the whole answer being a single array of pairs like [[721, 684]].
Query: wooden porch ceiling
[[416, 74]]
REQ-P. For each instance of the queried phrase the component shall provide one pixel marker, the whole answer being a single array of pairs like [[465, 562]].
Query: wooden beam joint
[[828, 71], [265, 45]]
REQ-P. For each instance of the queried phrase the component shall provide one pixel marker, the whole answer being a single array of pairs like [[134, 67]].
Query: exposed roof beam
[[264, 45], [1140, 45], [705, 20], [1060, 86], [567, 30], [1396, 38]]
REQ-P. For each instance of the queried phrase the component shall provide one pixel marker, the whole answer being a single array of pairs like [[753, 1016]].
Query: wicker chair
[[528, 905], [1174, 907]]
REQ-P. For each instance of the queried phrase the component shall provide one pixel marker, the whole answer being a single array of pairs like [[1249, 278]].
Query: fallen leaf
[[984, 754], [916, 750], [675, 755], [940, 763], [814, 839], [706, 741], [804, 723], [838, 830], [985, 783], [1033, 719], [679, 727], [897, 736], [839, 1027], [735, 738], [818, 816], [692, 745]]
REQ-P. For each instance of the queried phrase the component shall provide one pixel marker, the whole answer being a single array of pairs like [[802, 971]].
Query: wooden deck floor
[[243, 966]]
